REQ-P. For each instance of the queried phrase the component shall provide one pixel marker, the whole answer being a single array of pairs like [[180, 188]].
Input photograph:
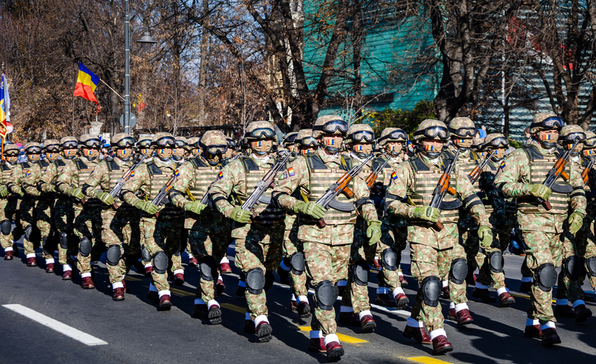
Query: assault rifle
[[443, 187], [341, 185], [205, 199], [475, 174], [554, 173], [164, 191], [118, 187], [372, 177], [267, 181], [586, 171]]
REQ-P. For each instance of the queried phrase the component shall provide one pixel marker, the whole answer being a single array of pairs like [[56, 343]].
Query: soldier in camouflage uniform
[[434, 252], [120, 232], [292, 265], [146, 152], [33, 207], [585, 241], [9, 204], [393, 142], [542, 229], [87, 220], [206, 226], [224, 264], [569, 283], [326, 249], [502, 217], [355, 306], [259, 238], [162, 225]]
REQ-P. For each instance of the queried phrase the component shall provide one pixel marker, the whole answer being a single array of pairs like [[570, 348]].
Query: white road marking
[[56, 325]]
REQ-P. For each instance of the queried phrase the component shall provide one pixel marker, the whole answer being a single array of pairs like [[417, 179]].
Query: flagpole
[[126, 69], [108, 86]]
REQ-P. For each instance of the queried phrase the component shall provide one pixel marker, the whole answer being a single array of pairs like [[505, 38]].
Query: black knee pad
[[360, 272], [64, 240], [255, 281], [160, 262], [591, 266], [431, 290], [269, 280], [572, 266], [113, 255], [28, 232], [145, 256], [326, 295], [495, 261], [546, 277], [297, 264], [389, 259], [458, 271], [207, 267], [6, 227], [85, 246]]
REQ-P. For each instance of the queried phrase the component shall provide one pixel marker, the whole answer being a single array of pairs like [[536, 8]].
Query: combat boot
[[7, 255], [263, 329], [334, 349], [367, 322], [348, 319], [564, 311], [31, 262], [178, 279], [377, 263], [118, 294], [581, 313], [417, 333], [87, 283], [303, 310], [384, 299], [165, 303], [220, 287], [293, 306], [401, 300], [550, 337], [148, 270], [483, 295], [402, 281], [533, 331], [214, 312], [66, 273], [50, 268], [506, 299], [445, 292], [441, 345], [225, 267], [193, 262], [316, 343], [463, 316]]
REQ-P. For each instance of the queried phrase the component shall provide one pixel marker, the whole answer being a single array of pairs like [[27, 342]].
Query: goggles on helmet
[[127, 142], [12, 153], [92, 143], [434, 132], [215, 149], [554, 122], [181, 143], [52, 148], [166, 142], [308, 142], [573, 137], [396, 135], [69, 145], [590, 143], [464, 132], [332, 126], [498, 142], [362, 136], [33, 150], [145, 143], [291, 139], [261, 133]]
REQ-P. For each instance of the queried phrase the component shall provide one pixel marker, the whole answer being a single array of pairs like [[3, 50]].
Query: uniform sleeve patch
[[393, 176], [291, 172], [27, 173], [176, 173], [132, 174], [220, 175]]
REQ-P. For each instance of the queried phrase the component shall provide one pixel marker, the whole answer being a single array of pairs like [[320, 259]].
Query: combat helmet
[[389, 135], [122, 140], [89, 141], [462, 127]]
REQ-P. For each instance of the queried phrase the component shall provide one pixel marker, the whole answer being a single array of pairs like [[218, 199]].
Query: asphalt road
[[133, 331]]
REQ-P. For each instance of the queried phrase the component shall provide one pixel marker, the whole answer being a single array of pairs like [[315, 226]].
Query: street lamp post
[[146, 41]]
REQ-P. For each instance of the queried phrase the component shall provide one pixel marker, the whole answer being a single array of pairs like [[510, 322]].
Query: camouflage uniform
[[145, 150], [542, 230], [9, 204], [161, 233], [327, 249], [206, 230]]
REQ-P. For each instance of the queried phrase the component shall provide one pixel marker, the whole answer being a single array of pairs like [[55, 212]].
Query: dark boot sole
[[264, 333], [335, 355]]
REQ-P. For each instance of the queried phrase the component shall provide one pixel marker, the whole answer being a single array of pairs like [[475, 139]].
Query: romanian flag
[[4, 105], [86, 83]]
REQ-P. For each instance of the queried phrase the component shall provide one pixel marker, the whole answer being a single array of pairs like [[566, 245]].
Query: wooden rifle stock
[[438, 226], [342, 186]]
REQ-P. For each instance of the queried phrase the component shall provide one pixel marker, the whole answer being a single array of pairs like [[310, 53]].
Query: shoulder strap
[[249, 164], [112, 165], [313, 162], [80, 165], [153, 169], [418, 165], [346, 162], [197, 162], [532, 153], [60, 163]]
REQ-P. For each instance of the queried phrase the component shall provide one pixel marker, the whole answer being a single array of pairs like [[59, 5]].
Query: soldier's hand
[[106, 198], [310, 208], [485, 234], [576, 220], [77, 193], [426, 213], [538, 190], [241, 216], [147, 206], [373, 233], [3, 191], [196, 207]]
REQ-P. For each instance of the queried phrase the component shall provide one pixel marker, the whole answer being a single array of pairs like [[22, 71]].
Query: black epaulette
[[532, 153], [44, 163], [80, 165], [26, 165], [59, 163], [417, 164], [249, 164], [378, 161], [5, 166], [153, 169], [111, 164], [314, 162], [197, 162]]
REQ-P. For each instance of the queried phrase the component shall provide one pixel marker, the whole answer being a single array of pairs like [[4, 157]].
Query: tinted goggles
[[216, 149], [434, 132], [497, 143], [553, 122], [362, 136], [464, 132], [69, 145], [144, 144], [291, 139], [308, 142], [33, 150], [397, 135], [332, 127], [181, 143], [573, 137], [590, 143], [261, 133], [166, 142], [53, 148], [92, 143]]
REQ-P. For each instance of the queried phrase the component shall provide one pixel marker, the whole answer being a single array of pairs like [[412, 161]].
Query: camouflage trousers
[[585, 243], [260, 249], [209, 240], [291, 246], [429, 261], [64, 213], [582, 247], [163, 235], [502, 239], [88, 224], [477, 257], [328, 262], [541, 248], [8, 208], [36, 214]]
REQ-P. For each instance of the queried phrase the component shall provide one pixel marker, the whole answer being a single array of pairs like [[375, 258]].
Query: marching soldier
[[326, 249], [585, 240], [206, 227], [542, 228], [147, 153], [161, 227], [435, 252], [259, 238], [9, 204]]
